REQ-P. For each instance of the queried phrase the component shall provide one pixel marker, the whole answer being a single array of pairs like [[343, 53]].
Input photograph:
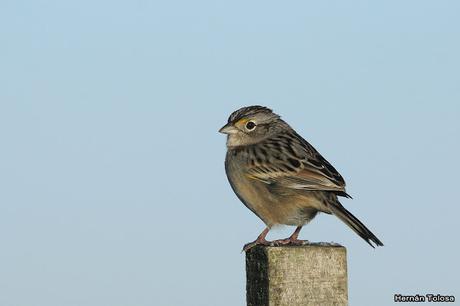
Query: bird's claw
[[250, 245], [290, 241], [279, 242]]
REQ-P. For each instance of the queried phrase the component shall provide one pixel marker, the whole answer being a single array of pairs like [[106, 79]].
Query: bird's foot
[[250, 245], [290, 241]]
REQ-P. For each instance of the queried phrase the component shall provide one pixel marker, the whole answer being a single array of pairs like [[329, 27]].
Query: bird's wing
[[290, 161]]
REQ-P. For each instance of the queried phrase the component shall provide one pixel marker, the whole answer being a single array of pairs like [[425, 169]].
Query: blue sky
[[112, 187]]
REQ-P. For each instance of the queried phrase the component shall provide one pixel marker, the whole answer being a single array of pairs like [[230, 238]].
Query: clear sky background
[[112, 185]]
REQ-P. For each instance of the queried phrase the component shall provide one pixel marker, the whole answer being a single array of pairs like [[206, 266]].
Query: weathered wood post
[[313, 274]]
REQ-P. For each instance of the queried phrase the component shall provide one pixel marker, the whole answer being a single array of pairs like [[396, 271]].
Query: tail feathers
[[357, 226]]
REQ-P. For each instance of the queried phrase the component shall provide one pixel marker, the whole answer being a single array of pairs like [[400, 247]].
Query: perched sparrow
[[280, 177]]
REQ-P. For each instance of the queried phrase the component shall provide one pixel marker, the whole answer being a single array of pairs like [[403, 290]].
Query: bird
[[281, 177]]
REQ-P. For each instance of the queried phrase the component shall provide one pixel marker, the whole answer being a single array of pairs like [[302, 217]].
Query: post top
[[306, 245]]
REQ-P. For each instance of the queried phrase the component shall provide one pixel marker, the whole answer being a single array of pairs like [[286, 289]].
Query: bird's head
[[250, 125]]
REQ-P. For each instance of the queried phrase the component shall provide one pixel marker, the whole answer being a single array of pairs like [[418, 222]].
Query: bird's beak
[[228, 129]]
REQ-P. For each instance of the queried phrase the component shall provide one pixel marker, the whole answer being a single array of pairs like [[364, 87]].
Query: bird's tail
[[357, 226]]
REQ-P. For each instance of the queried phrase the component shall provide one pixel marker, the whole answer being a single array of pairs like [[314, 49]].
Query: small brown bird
[[280, 177]]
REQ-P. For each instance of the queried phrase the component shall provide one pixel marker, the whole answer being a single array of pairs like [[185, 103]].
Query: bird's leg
[[293, 239], [259, 241]]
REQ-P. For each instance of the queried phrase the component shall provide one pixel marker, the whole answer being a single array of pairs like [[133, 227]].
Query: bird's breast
[[260, 198]]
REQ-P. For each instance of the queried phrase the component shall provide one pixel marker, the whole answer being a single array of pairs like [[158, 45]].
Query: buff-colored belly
[[273, 207]]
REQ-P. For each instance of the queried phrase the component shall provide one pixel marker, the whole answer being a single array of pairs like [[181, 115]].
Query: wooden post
[[313, 274]]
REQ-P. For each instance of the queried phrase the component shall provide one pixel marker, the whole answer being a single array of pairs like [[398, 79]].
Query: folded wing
[[290, 161]]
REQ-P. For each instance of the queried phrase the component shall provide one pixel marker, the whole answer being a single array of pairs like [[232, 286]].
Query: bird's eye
[[250, 126]]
